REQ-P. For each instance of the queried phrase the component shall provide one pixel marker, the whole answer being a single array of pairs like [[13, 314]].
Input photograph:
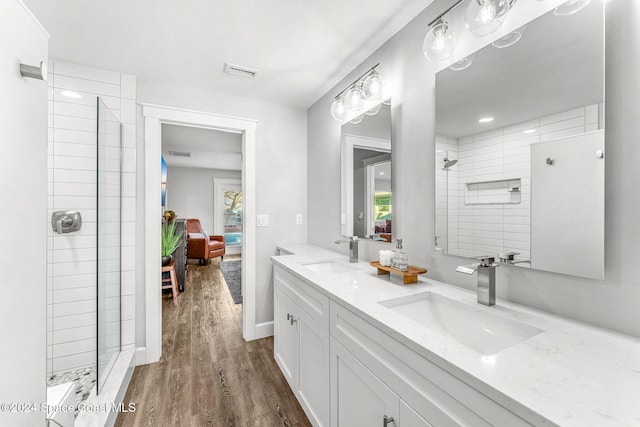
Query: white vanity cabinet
[[346, 372], [380, 376], [301, 343], [360, 398]]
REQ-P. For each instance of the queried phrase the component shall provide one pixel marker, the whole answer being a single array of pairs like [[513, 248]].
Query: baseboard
[[264, 330], [140, 356]]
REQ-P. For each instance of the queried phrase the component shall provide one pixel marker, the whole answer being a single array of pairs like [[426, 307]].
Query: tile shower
[[84, 336]]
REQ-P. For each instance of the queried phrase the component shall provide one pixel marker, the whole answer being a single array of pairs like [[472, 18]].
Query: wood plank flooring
[[208, 375]]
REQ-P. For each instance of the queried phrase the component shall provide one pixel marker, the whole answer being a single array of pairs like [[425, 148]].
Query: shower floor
[[84, 379]]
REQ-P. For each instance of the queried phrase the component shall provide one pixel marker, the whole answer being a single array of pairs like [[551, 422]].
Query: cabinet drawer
[[312, 302], [439, 397]]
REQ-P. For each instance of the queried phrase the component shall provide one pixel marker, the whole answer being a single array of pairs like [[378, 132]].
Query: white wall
[[72, 186], [190, 192], [23, 173], [281, 174], [612, 303]]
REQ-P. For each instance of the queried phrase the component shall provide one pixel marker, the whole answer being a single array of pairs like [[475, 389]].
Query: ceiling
[[302, 48], [210, 149], [557, 65]]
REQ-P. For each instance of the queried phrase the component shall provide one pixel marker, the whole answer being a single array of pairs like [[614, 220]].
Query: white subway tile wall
[[477, 228], [72, 146]]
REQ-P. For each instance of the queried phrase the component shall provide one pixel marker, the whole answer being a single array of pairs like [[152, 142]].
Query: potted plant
[[170, 241]]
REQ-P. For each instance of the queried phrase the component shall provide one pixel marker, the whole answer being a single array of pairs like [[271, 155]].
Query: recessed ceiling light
[[71, 94], [381, 173], [529, 131], [485, 120]]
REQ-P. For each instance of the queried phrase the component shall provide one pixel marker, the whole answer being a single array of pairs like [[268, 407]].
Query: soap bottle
[[400, 259]]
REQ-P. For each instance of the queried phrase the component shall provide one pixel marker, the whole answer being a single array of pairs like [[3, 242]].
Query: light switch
[[298, 219], [263, 220]]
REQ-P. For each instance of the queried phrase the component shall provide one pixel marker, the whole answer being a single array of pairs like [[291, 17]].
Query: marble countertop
[[572, 374]]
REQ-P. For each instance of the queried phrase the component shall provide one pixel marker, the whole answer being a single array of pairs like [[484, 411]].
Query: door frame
[[154, 117]]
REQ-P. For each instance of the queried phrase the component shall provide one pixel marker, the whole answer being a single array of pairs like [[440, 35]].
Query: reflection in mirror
[[366, 176], [519, 163]]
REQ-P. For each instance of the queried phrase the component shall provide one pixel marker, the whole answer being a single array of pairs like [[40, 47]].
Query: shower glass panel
[[109, 131]]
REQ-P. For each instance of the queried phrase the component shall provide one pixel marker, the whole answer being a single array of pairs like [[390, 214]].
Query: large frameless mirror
[[519, 166], [366, 176]]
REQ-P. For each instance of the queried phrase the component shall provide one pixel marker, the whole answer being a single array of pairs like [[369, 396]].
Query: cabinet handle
[[291, 319], [387, 420]]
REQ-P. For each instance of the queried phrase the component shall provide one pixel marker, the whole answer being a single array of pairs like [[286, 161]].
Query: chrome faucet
[[353, 247], [486, 270]]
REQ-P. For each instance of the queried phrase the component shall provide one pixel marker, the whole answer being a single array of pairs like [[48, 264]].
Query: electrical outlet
[[298, 219]]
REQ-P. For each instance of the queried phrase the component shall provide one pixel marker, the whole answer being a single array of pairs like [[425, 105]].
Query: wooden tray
[[408, 277]]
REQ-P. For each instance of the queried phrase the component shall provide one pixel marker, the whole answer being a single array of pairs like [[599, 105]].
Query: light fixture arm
[[453, 6], [358, 79]]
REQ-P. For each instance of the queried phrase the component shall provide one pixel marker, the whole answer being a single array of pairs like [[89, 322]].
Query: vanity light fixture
[[570, 7], [361, 97], [509, 39], [485, 120], [440, 41], [484, 17]]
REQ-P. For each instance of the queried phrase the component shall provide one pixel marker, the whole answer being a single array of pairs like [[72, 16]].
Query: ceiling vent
[[238, 70], [180, 153]]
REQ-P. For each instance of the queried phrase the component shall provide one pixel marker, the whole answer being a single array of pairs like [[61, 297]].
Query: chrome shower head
[[448, 163]]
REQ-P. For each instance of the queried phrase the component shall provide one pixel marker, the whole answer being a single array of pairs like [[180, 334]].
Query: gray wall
[[190, 192], [612, 303], [280, 181]]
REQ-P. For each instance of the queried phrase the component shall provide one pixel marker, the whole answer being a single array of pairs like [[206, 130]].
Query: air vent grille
[[238, 70], [180, 153]]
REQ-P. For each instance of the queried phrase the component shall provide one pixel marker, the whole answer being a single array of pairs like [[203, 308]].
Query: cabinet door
[[409, 417], [359, 398], [313, 380], [285, 342]]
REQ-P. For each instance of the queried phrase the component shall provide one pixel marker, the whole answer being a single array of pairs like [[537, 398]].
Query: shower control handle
[[66, 221]]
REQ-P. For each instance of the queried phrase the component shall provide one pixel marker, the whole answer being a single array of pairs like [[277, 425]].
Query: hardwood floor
[[208, 375]]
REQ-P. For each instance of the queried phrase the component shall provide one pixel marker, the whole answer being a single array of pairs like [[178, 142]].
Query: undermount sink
[[328, 266], [474, 327]]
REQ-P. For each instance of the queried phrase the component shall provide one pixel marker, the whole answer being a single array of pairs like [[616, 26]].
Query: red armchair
[[202, 246]]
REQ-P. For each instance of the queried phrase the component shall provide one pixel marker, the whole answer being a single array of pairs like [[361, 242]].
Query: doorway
[[155, 116]]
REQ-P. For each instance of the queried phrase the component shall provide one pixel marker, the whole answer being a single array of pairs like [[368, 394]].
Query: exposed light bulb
[[439, 42], [354, 99], [338, 110], [487, 12], [484, 17], [373, 86]]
